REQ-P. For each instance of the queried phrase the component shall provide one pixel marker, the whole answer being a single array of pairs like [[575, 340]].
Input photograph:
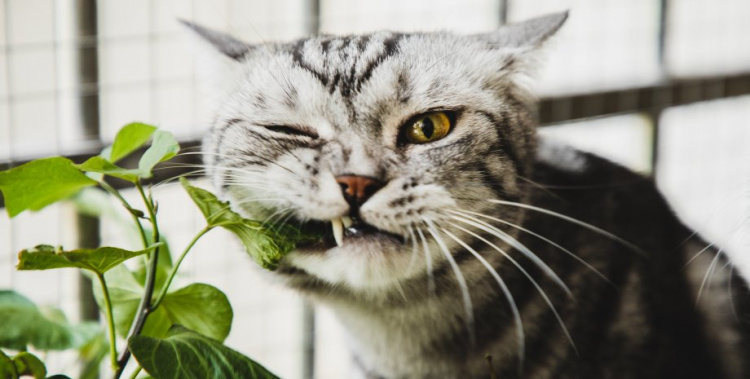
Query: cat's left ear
[[530, 34]]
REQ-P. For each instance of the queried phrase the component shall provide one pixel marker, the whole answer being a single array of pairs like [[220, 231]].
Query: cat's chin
[[364, 261]]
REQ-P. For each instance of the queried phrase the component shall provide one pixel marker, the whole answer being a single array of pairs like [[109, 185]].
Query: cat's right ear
[[221, 42], [219, 61]]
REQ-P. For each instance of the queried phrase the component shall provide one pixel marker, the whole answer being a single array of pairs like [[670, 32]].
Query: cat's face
[[374, 143]]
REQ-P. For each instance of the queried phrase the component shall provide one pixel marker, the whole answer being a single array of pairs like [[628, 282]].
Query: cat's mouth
[[341, 231]]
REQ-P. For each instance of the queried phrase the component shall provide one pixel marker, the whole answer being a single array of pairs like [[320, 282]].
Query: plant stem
[[136, 372], [144, 308], [110, 321], [130, 209], [176, 266]]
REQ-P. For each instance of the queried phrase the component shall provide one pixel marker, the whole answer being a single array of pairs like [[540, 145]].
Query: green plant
[[165, 328]]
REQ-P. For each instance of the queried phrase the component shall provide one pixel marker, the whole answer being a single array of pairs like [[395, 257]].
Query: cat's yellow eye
[[428, 128]]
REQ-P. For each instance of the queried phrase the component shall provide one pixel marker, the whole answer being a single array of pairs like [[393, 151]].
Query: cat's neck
[[415, 336]]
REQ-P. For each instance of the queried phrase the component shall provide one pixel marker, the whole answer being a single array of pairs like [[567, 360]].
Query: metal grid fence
[[659, 85]]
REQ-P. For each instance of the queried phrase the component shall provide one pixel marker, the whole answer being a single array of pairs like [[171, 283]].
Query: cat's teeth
[[347, 221], [338, 231]]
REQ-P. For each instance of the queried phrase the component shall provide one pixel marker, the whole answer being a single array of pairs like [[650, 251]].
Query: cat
[[454, 241]]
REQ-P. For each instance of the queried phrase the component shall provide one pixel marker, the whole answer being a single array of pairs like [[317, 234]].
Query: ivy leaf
[[266, 243], [28, 364], [100, 165], [214, 320], [7, 367], [99, 260], [91, 355], [129, 139], [187, 354], [198, 306], [40, 183], [163, 148], [22, 324]]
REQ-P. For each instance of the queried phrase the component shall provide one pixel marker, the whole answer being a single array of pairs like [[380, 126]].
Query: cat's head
[[382, 144]]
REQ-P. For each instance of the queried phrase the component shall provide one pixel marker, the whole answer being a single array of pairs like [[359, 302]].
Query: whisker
[[545, 239], [414, 248], [506, 291], [711, 268], [468, 308], [697, 255], [515, 244], [428, 261], [528, 276], [586, 225]]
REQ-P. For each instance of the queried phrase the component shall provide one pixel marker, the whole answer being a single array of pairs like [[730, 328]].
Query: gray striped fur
[[292, 117]]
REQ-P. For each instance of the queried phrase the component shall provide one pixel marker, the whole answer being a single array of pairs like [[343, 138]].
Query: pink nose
[[357, 189]]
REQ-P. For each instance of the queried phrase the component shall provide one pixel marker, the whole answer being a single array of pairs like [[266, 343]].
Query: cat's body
[[415, 157]]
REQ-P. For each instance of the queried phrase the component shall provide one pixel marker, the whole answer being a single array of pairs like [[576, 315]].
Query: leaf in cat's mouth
[[340, 230]]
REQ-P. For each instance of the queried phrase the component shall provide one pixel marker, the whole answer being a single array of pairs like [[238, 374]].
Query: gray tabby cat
[[415, 158]]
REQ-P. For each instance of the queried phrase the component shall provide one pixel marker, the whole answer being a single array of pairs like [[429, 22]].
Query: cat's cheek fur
[[397, 206]]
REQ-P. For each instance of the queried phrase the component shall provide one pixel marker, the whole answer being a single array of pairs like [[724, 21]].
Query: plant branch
[[130, 210], [136, 372], [176, 266], [144, 308], [110, 321]]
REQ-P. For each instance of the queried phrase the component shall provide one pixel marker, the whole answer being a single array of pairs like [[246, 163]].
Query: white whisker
[[574, 221], [711, 268], [468, 308], [428, 261], [528, 276], [545, 239], [506, 291], [516, 245]]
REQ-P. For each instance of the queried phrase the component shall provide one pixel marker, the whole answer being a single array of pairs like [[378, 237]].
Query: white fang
[[347, 221], [338, 231]]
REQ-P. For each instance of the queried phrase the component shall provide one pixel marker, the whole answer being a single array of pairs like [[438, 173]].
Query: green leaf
[[91, 355], [40, 183], [29, 364], [198, 306], [129, 139], [95, 202], [7, 367], [22, 324], [101, 165], [187, 354], [163, 148], [267, 244], [99, 260]]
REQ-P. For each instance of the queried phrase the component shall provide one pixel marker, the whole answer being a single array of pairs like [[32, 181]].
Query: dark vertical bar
[[308, 341], [308, 312], [661, 98], [88, 66], [503, 12], [8, 87], [88, 238], [88, 108], [313, 17]]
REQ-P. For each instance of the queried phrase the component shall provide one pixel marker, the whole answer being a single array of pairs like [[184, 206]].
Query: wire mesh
[[144, 72]]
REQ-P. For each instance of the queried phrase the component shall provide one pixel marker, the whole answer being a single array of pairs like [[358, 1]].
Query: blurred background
[[660, 86]]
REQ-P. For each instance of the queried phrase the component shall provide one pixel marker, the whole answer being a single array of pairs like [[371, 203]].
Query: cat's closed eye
[[292, 130]]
